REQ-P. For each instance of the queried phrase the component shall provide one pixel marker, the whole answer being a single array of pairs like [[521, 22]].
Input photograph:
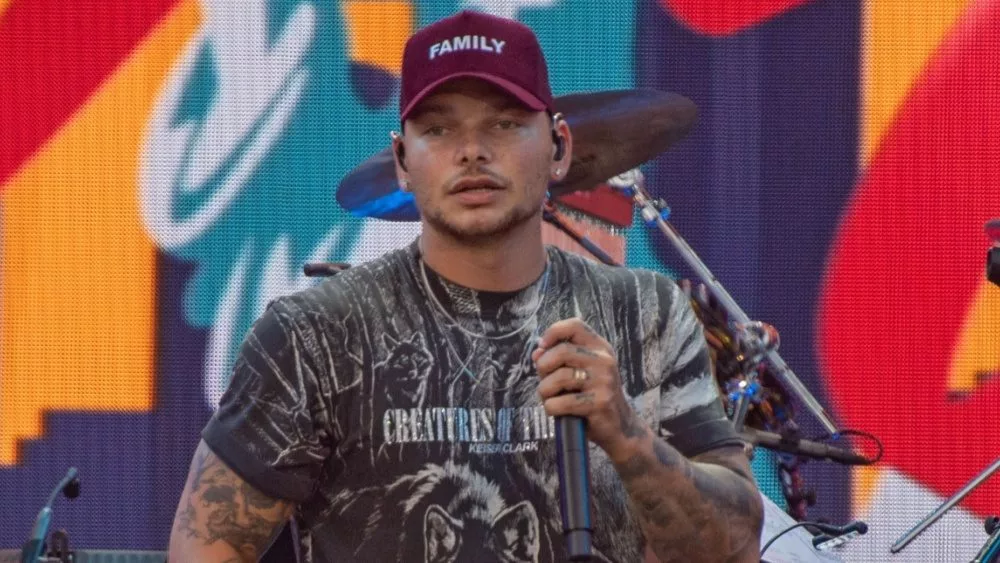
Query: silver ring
[[580, 374]]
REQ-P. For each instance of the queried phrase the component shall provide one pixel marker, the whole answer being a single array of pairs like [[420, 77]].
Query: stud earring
[[558, 172]]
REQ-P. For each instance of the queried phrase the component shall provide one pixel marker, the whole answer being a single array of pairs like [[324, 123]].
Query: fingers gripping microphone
[[573, 458]]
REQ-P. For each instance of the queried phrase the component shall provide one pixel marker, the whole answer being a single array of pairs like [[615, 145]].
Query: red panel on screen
[[722, 17], [907, 267], [52, 59]]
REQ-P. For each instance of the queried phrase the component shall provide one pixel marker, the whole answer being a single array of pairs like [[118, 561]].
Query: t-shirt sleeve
[[271, 427], [691, 418]]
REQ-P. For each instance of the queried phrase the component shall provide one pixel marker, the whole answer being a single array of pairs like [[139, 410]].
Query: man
[[402, 410]]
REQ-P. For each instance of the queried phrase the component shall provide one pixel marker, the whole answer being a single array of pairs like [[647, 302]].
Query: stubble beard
[[481, 233]]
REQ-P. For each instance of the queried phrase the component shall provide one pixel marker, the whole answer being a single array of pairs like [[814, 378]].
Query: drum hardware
[[654, 212], [739, 349], [552, 215], [766, 414]]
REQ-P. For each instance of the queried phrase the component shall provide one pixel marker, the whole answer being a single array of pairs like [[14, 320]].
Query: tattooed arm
[[702, 509], [699, 508], [220, 517]]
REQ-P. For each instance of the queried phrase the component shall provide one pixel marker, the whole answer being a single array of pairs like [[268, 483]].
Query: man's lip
[[477, 198], [473, 183]]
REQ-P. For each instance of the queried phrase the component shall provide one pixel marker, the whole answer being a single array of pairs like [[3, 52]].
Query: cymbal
[[613, 132]]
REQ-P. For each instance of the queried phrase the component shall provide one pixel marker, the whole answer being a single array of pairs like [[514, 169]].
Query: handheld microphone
[[838, 535], [573, 458], [32, 549]]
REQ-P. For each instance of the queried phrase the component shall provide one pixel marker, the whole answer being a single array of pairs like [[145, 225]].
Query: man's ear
[[562, 148], [399, 156]]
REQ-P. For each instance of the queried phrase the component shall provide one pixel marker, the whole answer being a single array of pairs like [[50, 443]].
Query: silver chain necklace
[[532, 317], [463, 368]]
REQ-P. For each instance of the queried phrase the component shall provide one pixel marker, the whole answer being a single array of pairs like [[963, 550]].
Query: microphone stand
[[768, 440], [574, 488], [32, 549], [945, 507], [551, 214], [655, 212]]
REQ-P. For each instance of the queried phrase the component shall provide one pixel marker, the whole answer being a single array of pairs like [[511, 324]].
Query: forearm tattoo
[[632, 425], [222, 507], [692, 511]]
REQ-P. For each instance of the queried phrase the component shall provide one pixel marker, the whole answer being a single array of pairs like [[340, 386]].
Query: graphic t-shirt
[[400, 411]]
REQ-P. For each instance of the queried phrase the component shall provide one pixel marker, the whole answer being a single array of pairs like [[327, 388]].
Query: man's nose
[[473, 147]]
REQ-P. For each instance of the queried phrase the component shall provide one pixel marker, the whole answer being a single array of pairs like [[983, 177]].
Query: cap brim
[[524, 96]]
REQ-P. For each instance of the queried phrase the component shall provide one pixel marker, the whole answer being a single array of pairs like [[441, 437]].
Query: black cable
[[783, 532]]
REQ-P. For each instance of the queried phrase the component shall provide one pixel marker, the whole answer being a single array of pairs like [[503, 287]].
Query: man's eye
[[435, 131], [506, 124]]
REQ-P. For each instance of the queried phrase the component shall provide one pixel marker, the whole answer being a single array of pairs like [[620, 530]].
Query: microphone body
[[573, 459], [838, 535], [816, 450]]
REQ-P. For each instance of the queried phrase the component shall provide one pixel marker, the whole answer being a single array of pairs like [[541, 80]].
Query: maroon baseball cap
[[499, 50]]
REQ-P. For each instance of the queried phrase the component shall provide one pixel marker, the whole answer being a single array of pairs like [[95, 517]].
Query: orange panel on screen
[[77, 310], [899, 38], [377, 32]]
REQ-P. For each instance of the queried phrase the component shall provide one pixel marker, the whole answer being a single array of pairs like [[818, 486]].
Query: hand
[[579, 377]]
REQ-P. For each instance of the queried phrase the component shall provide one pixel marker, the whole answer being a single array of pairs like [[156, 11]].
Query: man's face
[[477, 161]]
